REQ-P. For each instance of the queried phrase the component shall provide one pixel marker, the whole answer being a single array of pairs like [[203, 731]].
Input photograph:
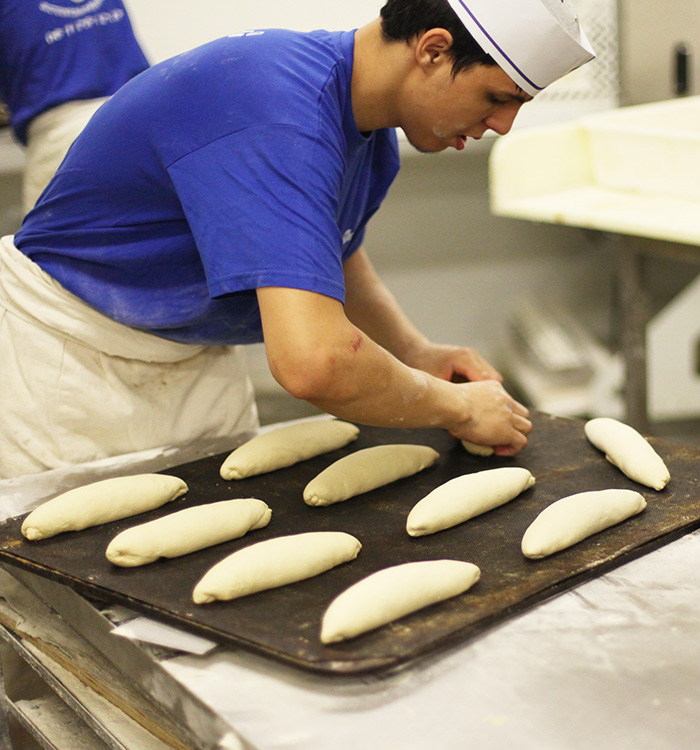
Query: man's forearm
[[372, 307], [318, 355], [369, 385]]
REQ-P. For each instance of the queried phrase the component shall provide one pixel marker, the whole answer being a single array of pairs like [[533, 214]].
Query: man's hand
[[490, 400], [497, 419], [456, 363]]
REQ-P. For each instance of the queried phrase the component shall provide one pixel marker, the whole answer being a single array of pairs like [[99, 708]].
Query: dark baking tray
[[284, 623]]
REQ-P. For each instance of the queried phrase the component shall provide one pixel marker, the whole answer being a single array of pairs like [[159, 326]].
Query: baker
[[59, 60], [221, 198]]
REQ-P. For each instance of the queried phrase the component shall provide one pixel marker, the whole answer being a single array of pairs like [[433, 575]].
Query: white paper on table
[[160, 634]]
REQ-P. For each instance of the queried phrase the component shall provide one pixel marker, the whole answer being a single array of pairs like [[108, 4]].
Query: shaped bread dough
[[187, 531], [466, 496], [275, 562], [366, 470], [477, 450], [286, 446], [101, 502], [573, 518], [625, 448], [392, 593]]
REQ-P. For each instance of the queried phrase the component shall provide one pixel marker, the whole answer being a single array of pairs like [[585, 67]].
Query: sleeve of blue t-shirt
[[278, 185]]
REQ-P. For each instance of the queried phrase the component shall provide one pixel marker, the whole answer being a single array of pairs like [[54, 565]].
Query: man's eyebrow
[[520, 96]]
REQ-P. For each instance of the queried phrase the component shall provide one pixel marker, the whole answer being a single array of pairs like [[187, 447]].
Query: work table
[[614, 661]]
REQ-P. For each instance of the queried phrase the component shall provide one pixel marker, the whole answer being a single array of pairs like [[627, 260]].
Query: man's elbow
[[312, 377]]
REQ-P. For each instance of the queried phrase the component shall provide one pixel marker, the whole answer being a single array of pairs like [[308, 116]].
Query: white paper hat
[[536, 42]]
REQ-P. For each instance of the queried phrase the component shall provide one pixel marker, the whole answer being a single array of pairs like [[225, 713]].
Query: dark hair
[[403, 20]]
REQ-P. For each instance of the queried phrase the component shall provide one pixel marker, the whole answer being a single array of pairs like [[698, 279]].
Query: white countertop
[[631, 171]]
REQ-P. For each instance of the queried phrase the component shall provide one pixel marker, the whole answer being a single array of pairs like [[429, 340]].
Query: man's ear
[[433, 47]]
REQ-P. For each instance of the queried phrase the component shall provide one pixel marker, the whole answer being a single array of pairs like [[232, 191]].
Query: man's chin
[[422, 147]]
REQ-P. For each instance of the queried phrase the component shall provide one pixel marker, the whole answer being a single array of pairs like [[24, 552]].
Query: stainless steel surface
[[113, 689]]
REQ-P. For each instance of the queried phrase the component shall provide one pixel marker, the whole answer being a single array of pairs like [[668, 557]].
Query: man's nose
[[502, 121]]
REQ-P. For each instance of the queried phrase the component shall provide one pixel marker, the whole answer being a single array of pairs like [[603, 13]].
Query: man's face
[[443, 112]]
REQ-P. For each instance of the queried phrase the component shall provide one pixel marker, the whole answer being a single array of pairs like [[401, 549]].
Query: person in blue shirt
[[221, 198], [59, 60]]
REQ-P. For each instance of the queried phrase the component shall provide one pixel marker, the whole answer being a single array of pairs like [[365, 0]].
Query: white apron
[[76, 386], [49, 137]]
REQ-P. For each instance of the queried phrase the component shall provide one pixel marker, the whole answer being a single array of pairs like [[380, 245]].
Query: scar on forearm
[[356, 342]]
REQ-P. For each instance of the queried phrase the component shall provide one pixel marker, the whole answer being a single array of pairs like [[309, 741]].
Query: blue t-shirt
[[58, 51], [233, 166]]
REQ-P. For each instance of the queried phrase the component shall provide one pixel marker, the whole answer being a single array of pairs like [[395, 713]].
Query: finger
[[520, 410], [503, 450], [474, 367], [481, 370], [521, 428], [519, 443], [522, 425]]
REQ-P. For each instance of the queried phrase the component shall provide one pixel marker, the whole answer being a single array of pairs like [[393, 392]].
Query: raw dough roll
[[366, 470], [573, 518], [467, 496], [625, 448], [286, 446], [275, 562], [187, 531], [101, 502], [477, 450], [392, 593]]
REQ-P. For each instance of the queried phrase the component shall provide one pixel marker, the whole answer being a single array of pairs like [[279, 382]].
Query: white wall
[[166, 27], [650, 31]]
